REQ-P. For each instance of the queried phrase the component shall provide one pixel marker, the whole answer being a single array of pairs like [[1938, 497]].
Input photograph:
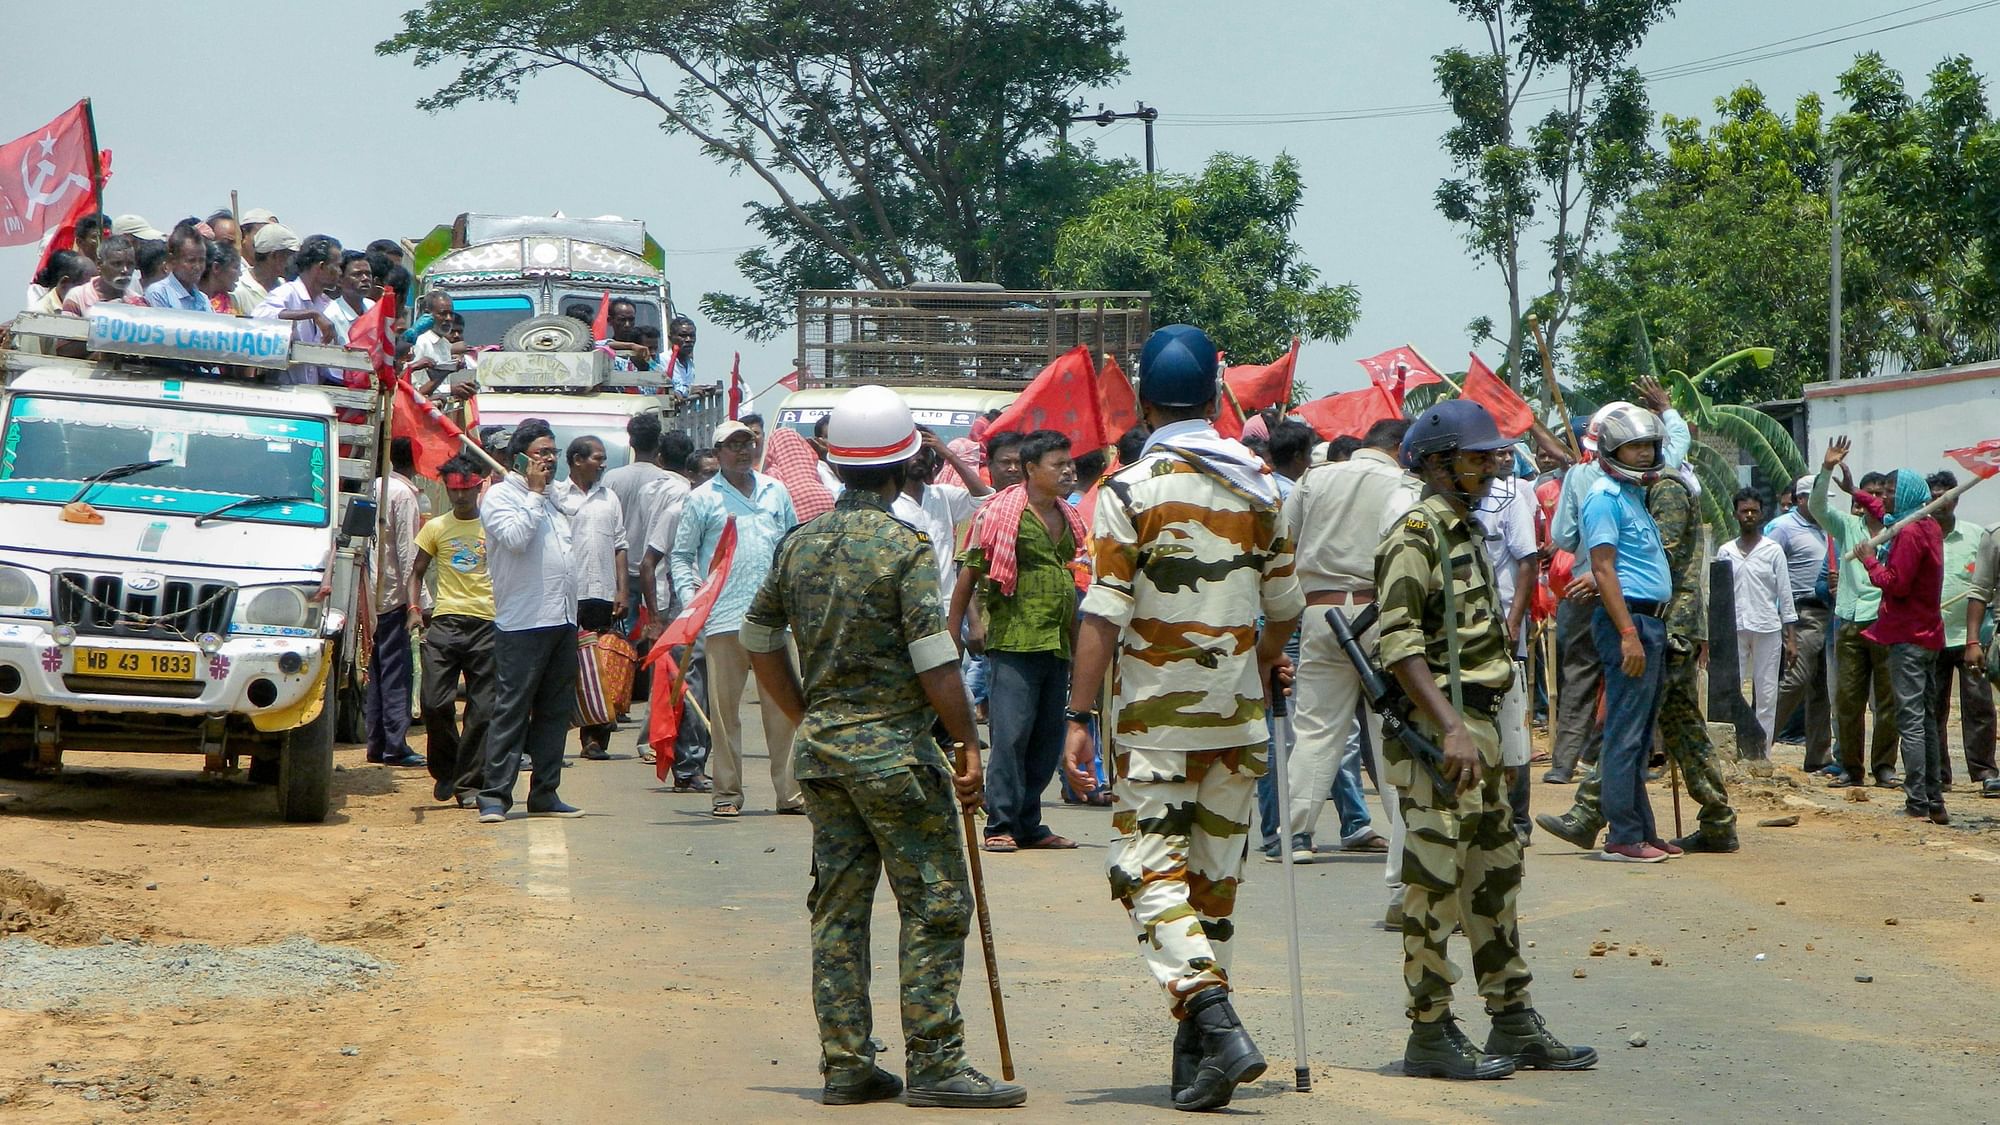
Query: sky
[[336, 145]]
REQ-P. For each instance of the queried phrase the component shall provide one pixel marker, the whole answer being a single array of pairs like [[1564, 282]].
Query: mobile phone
[[521, 463]]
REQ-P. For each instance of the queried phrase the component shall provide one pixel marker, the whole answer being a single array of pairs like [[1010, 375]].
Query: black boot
[[1228, 1057], [1521, 1035], [1440, 1050], [1187, 1055]]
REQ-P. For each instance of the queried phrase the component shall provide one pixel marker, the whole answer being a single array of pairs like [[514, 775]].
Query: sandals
[[1051, 842], [725, 811], [1101, 798], [1000, 844], [646, 754], [1373, 843]]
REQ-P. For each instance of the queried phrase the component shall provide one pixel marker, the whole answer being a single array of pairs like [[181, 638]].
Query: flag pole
[[1555, 388], [1883, 536], [96, 164], [1436, 370]]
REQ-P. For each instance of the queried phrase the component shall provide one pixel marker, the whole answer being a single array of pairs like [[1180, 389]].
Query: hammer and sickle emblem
[[45, 170]]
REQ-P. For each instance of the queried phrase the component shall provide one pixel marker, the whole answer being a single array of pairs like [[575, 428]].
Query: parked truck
[[182, 556]]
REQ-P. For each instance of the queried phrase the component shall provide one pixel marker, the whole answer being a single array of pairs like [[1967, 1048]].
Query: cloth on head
[[1256, 428], [1911, 493], [791, 461], [970, 450], [998, 525]]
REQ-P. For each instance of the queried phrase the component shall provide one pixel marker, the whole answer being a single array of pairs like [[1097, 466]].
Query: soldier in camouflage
[[1187, 553], [1442, 637], [1683, 729], [858, 590]]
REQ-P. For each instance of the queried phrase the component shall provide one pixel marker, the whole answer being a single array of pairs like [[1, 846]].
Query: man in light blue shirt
[[763, 513], [680, 337], [1633, 588], [187, 257]]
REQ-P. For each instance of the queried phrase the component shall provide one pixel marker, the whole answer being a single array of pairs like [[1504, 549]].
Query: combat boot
[[1521, 1034], [1187, 1055], [879, 1085], [1228, 1057], [1440, 1050], [1569, 830]]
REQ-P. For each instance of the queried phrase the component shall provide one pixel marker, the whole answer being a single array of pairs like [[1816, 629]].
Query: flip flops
[[1000, 844]]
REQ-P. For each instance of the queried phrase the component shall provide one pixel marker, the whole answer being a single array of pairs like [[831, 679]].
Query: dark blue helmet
[[1178, 367], [1452, 425]]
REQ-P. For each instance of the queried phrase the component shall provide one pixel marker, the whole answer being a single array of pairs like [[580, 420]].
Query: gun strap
[[1450, 621]]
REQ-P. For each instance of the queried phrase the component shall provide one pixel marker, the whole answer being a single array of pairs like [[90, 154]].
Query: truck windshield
[[208, 458], [488, 318]]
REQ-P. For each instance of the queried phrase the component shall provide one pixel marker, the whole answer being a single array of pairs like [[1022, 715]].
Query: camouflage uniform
[[1683, 729], [1186, 561], [1461, 859], [858, 589]]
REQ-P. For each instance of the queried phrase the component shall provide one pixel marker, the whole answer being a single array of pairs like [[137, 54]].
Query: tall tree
[[1216, 251], [1568, 170], [897, 139]]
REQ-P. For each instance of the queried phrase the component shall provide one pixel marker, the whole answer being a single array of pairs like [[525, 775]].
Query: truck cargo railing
[[949, 334]]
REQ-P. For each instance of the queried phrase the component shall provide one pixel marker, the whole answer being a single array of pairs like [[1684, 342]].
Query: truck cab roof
[[172, 387]]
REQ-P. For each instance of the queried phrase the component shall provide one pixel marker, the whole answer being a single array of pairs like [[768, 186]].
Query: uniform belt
[[1340, 597], [1646, 608], [1484, 700]]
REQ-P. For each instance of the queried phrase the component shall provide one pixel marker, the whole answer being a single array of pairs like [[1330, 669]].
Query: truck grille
[[178, 610]]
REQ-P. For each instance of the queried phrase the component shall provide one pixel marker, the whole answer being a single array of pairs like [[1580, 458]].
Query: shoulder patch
[[1415, 521]]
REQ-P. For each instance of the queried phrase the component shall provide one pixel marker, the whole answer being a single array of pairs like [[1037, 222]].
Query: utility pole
[[1145, 114], [1833, 296]]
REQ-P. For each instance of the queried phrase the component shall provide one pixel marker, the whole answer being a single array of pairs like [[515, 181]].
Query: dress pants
[[387, 704], [455, 647], [728, 671], [1803, 684], [1975, 709], [535, 698], [1757, 655], [1861, 671], [1579, 675]]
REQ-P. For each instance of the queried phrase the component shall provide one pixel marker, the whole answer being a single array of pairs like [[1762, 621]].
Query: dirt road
[[647, 963]]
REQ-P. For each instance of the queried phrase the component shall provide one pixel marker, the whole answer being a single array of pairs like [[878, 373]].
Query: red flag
[[1349, 415], [374, 332], [1258, 386], [1482, 386], [1982, 460], [1062, 398], [663, 722], [435, 436], [64, 236], [735, 385], [1397, 370], [1115, 400], [600, 326], [1229, 419], [41, 174], [791, 382]]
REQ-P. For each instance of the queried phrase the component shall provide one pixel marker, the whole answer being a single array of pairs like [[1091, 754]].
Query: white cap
[[255, 216], [729, 430], [271, 238], [871, 425], [137, 227]]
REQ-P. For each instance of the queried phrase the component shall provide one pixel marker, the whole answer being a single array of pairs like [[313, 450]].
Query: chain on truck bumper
[[272, 681]]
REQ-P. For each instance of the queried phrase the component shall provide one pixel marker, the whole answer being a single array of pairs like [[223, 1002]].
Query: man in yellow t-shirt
[[458, 637]]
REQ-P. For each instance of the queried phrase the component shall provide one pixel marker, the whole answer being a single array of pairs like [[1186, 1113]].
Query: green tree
[[1215, 250], [1567, 171], [897, 140], [1729, 243], [1920, 215]]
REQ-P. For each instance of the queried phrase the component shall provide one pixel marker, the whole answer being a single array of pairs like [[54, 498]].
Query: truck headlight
[[17, 589], [279, 606]]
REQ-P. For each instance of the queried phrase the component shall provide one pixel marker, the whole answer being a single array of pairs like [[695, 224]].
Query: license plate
[[134, 664]]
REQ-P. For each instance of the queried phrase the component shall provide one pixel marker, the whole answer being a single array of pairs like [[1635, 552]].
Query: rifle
[[1375, 693]]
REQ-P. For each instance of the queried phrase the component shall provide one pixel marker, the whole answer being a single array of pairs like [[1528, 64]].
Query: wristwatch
[[1084, 717]]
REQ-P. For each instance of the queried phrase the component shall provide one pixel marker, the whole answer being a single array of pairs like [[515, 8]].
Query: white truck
[[1907, 422], [180, 550]]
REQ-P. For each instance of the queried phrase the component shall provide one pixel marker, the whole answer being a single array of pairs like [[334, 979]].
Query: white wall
[[1908, 421]]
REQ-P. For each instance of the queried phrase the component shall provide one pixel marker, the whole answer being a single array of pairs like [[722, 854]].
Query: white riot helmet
[[871, 425], [1619, 425]]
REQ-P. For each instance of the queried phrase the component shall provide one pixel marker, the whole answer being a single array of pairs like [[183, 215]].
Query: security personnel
[[1188, 552], [858, 590], [1443, 639]]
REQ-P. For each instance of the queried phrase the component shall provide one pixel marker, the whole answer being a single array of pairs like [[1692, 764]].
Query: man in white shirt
[[1766, 615], [534, 615], [355, 281], [630, 482], [938, 509], [596, 556], [302, 302], [1335, 517], [665, 499], [397, 600]]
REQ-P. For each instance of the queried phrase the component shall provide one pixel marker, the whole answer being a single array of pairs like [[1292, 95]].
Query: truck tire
[[305, 767], [547, 334]]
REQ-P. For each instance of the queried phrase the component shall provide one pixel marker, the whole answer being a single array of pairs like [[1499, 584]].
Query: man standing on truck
[[763, 514], [458, 636], [303, 302], [397, 598], [680, 338]]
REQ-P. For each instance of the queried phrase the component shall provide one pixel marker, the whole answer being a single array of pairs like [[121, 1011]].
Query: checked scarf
[[997, 527]]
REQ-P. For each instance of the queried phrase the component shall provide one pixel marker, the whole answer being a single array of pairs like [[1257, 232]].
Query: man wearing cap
[[762, 511], [1444, 641], [857, 589], [303, 300], [136, 226], [247, 227], [1188, 553], [268, 254]]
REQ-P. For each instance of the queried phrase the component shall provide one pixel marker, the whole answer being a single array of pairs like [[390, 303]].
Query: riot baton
[[1301, 1073]]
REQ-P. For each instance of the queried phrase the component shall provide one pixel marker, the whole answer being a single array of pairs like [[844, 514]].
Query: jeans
[[1026, 698], [535, 699], [388, 701], [1631, 705], [456, 646], [1349, 802], [1913, 671]]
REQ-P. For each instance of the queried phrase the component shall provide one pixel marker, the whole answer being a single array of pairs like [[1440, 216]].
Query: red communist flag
[[41, 175], [1229, 417], [735, 385], [1062, 398], [1258, 386], [1349, 415], [1982, 460], [1397, 370], [373, 332], [1115, 400], [436, 437], [1510, 413], [791, 382], [64, 236], [663, 722]]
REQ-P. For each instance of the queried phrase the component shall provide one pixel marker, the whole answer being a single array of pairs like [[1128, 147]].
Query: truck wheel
[[548, 334], [305, 767]]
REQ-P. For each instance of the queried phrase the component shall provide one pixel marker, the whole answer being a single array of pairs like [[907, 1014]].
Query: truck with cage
[[183, 554]]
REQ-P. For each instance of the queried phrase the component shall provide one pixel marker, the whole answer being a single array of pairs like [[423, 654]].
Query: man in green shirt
[[1975, 694], [1861, 667], [1019, 560]]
